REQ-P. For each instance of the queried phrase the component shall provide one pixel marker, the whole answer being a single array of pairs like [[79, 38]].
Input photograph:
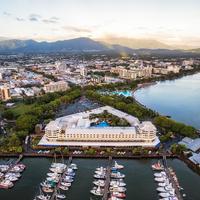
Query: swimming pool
[[123, 93], [102, 124]]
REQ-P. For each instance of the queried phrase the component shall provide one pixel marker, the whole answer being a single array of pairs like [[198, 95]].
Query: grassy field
[[21, 108]]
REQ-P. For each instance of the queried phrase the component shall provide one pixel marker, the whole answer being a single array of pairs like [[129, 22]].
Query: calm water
[[179, 99], [139, 179]]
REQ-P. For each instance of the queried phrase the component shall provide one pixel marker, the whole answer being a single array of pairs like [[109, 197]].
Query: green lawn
[[21, 108]]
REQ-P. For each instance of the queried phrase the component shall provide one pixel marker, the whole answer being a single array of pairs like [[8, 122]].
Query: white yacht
[[117, 166], [100, 183], [118, 183], [97, 191], [117, 175]]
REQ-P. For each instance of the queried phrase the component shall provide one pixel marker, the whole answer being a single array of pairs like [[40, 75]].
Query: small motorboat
[[117, 175], [47, 189], [18, 175], [157, 166], [99, 176], [100, 169], [6, 184], [100, 183], [73, 166], [162, 184], [43, 197], [161, 189], [117, 189], [62, 187], [11, 178], [117, 166], [160, 174], [119, 195], [60, 196], [160, 179], [164, 194], [118, 183], [97, 191], [64, 184], [53, 179]]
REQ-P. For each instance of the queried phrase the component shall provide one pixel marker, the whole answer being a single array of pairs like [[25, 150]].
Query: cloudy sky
[[169, 21]]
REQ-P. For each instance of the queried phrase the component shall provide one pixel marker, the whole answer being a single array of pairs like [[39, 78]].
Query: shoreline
[[36, 155], [151, 83], [141, 86]]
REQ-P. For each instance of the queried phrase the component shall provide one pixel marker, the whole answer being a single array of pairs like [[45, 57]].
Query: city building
[[132, 73], [191, 144], [76, 130], [83, 71], [5, 93], [56, 86]]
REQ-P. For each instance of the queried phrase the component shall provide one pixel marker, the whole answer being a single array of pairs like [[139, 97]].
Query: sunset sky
[[169, 21]]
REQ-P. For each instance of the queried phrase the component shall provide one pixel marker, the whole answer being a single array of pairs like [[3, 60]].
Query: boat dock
[[107, 182], [177, 191], [53, 196], [12, 165]]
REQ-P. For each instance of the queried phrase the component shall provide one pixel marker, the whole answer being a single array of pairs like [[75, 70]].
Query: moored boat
[[62, 187], [157, 166], [117, 166], [97, 191], [6, 184]]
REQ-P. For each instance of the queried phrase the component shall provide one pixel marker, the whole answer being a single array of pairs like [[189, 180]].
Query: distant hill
[[84, 45], [3, 38], [194, 50], [136, 43], [31, 46]]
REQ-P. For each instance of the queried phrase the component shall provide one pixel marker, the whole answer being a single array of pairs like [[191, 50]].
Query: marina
[[139, 179], [10, 173], [59, 179], [168, 187], [109, 182]]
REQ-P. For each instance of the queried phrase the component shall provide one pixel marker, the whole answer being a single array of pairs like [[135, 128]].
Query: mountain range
[[82, 44], [136, 43]]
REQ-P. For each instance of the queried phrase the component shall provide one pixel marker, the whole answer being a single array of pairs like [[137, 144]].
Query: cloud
[[51, 20], [55, 18], [34, 17], [7, 13], [76, 29], [19, 19]]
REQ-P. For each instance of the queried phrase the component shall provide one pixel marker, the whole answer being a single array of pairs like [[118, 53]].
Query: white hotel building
[[76, 130], [56, 86]]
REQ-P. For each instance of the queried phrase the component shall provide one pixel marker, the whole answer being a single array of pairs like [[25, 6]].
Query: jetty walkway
[[107, 182], [53, 196], [177, 191]]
